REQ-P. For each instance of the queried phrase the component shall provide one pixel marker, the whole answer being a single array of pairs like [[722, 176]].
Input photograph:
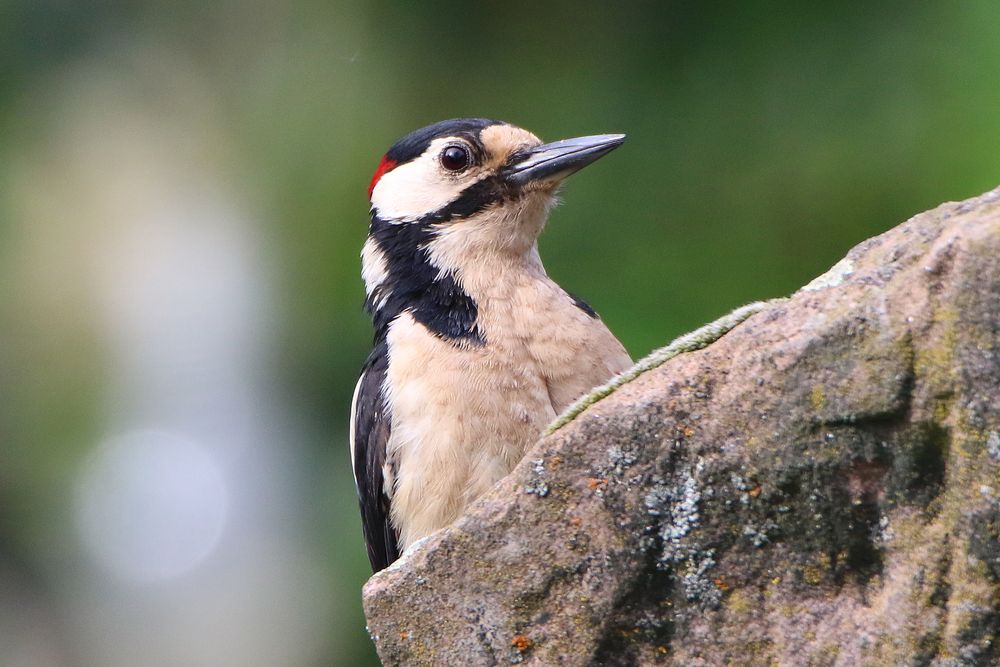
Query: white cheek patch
[[412, 190]]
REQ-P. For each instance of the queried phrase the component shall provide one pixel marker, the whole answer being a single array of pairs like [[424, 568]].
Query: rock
[[820, 486]]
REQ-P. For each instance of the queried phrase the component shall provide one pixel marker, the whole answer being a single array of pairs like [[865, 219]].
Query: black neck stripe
[[474, 199], [414, 285]]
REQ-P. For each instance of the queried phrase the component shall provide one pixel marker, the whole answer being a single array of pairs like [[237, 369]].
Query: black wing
[[370, 429]]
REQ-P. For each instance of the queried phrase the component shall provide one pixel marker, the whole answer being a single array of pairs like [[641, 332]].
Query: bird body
[[476, 348]]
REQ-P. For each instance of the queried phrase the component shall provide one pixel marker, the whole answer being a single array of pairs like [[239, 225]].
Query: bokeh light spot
[[151, 505]]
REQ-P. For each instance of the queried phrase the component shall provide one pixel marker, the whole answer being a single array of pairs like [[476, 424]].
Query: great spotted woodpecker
[[476, 349]]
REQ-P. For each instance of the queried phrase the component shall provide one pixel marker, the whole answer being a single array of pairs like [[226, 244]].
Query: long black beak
[[555, 161]]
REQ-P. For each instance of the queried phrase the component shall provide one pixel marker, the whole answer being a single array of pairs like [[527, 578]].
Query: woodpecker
[[476, 349]]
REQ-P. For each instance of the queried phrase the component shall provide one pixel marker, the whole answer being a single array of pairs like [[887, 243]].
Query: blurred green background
[[182, 203]]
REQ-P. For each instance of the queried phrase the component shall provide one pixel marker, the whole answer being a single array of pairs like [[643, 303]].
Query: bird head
[[461, 193], [492, 178]]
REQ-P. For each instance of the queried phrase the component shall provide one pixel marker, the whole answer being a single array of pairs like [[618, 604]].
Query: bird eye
[[455, 158]]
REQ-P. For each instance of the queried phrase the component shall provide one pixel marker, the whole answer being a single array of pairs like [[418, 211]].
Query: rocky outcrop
[[819, 486]]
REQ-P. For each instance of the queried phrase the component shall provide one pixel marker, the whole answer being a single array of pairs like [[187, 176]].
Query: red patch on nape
[[384, 166]]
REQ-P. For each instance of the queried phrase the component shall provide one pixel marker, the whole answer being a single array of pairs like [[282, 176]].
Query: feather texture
[[370, 429]]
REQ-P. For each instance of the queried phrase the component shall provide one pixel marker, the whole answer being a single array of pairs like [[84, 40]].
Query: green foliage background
[[765, 139]]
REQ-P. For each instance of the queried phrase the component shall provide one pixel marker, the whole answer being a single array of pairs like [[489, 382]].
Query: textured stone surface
[[820, 486]]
